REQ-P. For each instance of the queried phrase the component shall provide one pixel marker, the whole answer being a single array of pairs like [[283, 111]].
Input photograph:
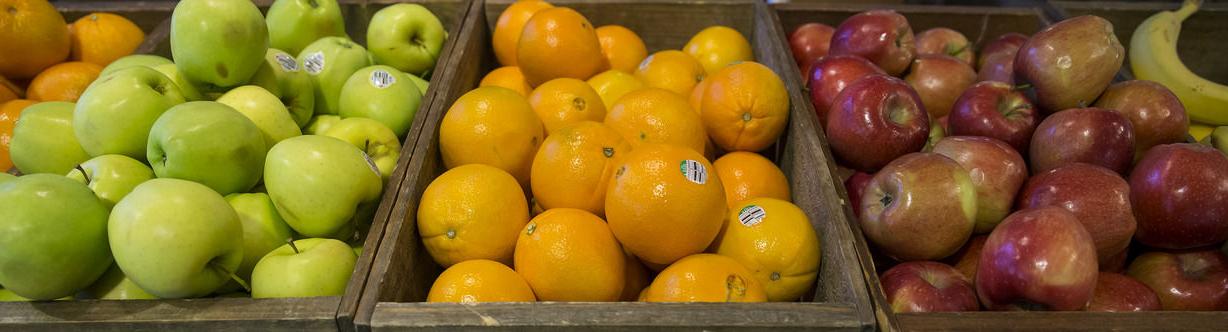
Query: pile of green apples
[[236, 169]]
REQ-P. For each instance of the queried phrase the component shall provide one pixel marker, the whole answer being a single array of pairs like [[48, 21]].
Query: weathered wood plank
[[300, 314], [1065, 321]]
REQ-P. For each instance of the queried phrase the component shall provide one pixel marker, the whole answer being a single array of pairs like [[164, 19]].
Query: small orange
[[9, 113], [671, 70], [508, 77], [637, 278], [570, 255], [775, 241], [493, 126], [574, 165], [717, 47], [480, 280], [34, 36], [63, 82], [705, 278], [613, 84], [653, 115], [621, 47], [509, 26], [472, 212], [745, 108], [563, 101], [559, 42], [100, 38], [748, 175]]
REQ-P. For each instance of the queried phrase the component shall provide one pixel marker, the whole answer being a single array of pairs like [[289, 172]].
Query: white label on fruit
[[371, 163], [287, 62], [694, 171], [314, 63], [751, 215], [382, 79]]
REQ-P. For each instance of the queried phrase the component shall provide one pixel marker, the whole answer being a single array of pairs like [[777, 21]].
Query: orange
[[480, 280], [671, 70], [9, 91], [100, 38], [705, 278], [34, 36], [696, 99], [570, 255], [493, 126], [654, 115], [622, 48], [613, 84], [637, 278], [564, 101], [776, 242], [574, 165], [509, 26], [472, 212], [559, 42], [63, 82], [717, 47], [745, 108], [748, 175], [508, 77], [664, 203], [9, 113]]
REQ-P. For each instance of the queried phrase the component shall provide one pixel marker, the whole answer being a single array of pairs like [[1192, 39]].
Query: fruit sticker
[[289, 64], [314, 63], [694, 171], [751, 215], [382, 79]]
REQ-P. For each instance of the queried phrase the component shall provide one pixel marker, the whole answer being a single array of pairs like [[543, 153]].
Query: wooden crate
[[403, 272], [240, 314]]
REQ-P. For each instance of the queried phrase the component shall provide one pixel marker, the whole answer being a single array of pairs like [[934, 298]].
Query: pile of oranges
[[47, 59], [581, 171]]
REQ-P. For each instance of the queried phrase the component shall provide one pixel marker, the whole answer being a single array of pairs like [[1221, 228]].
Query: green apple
[[218, 42], [320, 123], [6, 177], [357, 246], [282, 75], [294, 24], [1218, 138], [9, 296], [43, 140], [210, 143], [265, 110], [380, 93], [304, 268], [379, 142], [114, 114], [187, 88], [329, 62], [318, 183], [407, 37], [53, 236], [135, 60], [115, 286], [111, 176], [176, 238], [420, 83], [263, 228]]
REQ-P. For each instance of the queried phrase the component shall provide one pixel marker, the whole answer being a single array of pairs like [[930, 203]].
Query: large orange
[[472, 212], [638, 278], [705, 278], [480, 280], [9, 113], [508, 77], [613, 84], [745, 108], [34, 36], [100, 38], [559, 42], [510, 25], [574, 165], [493, 126], [696, 99], [717, 47], [623, 49], [654, 115], [748, 175], [563, 101], [570, 255], [671, 70], [63, 82], [664, 203], [776, 242]]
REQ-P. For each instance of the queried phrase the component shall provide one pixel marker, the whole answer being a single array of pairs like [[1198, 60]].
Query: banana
[[1153, 57], [1199, 131]]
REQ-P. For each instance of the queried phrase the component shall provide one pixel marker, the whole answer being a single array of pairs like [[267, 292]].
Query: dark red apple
[[1037, 259], [856, 185], [997, 110], [831, 74], [939, 80], [1155, 112], [1185, 281], [1069, 64], [881, 36], [1116, 263], [966, 258], [1088, 135], [875, 120], [944, 41], [998, 67], [1180, 196], [809, 42], [920, 207], [1095, 195], [928, 287], [997, 172], [1117, 292], [1008, 43]]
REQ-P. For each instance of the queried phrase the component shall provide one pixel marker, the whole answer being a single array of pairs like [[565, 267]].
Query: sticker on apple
[[382, 79], [289, 64], [314, 63], [751, 215], [694, 171]]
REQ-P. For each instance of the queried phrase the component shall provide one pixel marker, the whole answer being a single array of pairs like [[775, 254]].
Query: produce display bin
[[234, 314], [403, 272]]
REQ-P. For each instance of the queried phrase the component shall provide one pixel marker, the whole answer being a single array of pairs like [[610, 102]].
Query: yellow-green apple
[[1070, 63], [928, 287], [966, 259], [1218, 139], [1196, 280], [407, 37], [376, 140], [1099, 198], [996, 110], [1178, 192], [320, 123], [111, 176], [810, 42], [263, 228], [134, 60], [8, 296], [6, 177], [997, 172], [329, 62], [113, 285], [210, 143], [944, 41], [382, 94], [937, 133], [1120, 293], [922, 206], [304, 268], [114, 114], [218, 42], [187, 88], [283, 76], [939, 80], [830, 75], [1007, 43], [1037, 259], [1091, 135], [294, 24], [43, 140], [1155, 113], [318, 183], [176, 238], [53, 236], [871, 112], [420, 83], [264, 110], [881, 36]]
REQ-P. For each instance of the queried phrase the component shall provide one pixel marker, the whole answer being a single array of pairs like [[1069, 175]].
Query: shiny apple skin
[[876, 120], [920, 207], [881, 36], [1180, 196], [1089, 135], [1068, 64], [810, 42], [939, 80], [830, 75], [1098, 197], [1120, 293], [997, 171], [1037, 259], [928, 287], [1190, 281], [996, 110], [944, 41], [1155, 113]]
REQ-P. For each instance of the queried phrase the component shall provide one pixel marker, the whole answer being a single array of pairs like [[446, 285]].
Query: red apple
[[1155, 112], [1089, 135], [997, 171], [809, 42], [928, 287], [831, 74], [1117, 292], [1037, 259], [966, 259], [1116, 263], [875, 120], [998, 67], [939, 80], [1185, 281], [997, 110], [881, 36], [1069, 64], [920, 207], [1095, 195], [856, 185], [1180, 196], [944, 41], [1008, 43]]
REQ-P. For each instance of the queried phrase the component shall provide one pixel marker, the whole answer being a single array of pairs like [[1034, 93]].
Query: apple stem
[[232, 275], [1023, 86], [83, 174], [290, 241]]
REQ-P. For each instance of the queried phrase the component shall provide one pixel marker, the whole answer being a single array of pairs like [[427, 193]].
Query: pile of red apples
[[1019, 178]]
